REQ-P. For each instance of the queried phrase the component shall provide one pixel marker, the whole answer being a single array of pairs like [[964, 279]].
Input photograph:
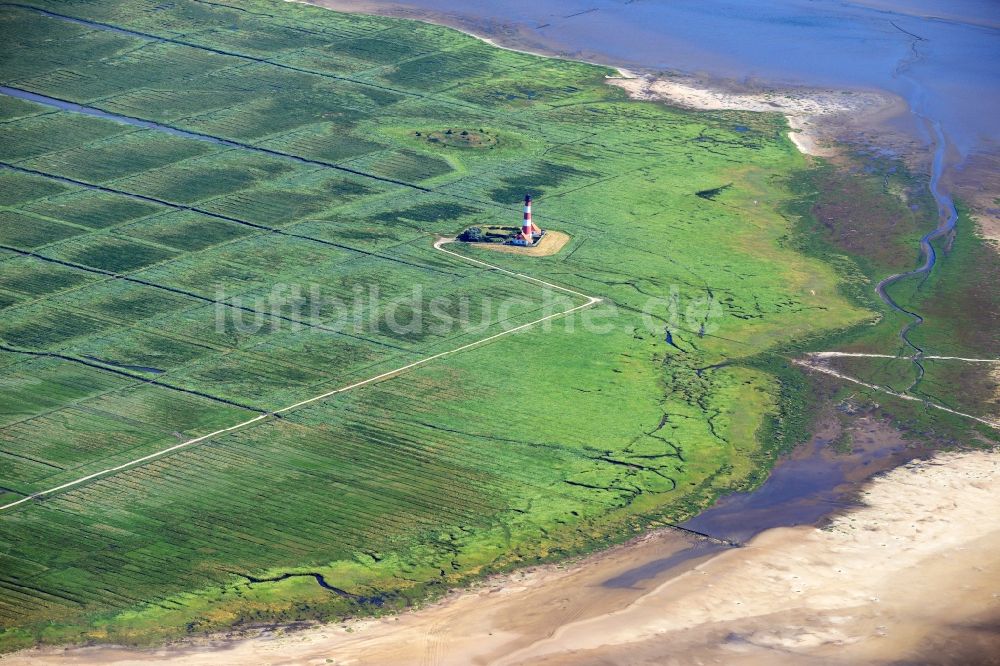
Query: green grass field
[[157, 287]]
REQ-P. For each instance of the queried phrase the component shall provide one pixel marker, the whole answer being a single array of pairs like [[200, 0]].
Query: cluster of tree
[[473, 235]]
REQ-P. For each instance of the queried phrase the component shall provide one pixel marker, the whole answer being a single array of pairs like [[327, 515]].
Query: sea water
[[942, 57]]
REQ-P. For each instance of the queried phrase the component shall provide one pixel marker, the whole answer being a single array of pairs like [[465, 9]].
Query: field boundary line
[[131, 463], [194, 135], [591, 301]]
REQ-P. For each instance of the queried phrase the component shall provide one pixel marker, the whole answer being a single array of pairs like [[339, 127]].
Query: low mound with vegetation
[[488, 234], [460, 138]]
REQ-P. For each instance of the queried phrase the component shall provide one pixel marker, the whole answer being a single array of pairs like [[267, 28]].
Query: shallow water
[[805, 487], [953, 77]]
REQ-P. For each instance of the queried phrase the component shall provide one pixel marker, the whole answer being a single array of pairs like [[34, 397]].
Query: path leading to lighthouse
[[439, 245], [835, 354], [589, 301]]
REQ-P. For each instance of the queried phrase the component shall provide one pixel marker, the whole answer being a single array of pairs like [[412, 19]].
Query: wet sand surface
[[501, 615], [910, 578], [819, 118], [906, 570], [812, 483], [977, 184]]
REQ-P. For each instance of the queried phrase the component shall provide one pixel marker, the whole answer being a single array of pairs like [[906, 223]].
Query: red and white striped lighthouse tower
[[526, 225], [529, 230]]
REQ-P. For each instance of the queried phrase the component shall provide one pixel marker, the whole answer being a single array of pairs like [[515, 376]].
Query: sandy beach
[[817, 117], [911, 576]]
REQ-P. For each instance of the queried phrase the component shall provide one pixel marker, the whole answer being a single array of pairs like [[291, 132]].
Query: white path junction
[[882, 389]]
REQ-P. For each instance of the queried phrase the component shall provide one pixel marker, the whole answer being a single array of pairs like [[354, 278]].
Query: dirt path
[[836, 354], [590, 301]]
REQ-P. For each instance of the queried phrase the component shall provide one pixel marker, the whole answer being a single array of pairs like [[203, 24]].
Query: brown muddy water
[[806, 487]]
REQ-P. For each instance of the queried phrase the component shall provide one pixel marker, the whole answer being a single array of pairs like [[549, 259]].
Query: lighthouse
[[526, 225], [529, 231]]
